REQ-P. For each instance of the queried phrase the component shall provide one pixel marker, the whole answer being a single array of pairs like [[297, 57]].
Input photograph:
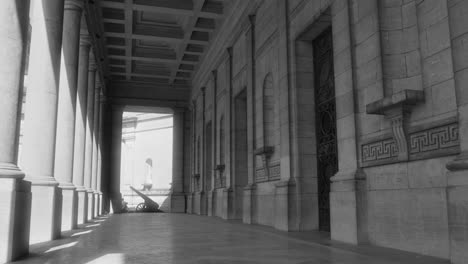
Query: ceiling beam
[[128, 35], [136, 58], [148, 75], [160, 9], [156, 38], [197, 7]]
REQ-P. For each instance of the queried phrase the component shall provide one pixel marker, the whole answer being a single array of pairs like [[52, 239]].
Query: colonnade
[[57, 185]]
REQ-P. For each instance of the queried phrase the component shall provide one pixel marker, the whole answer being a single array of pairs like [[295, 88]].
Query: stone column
[[348, 211], [228, 209], [63, 169], [212, 189], [102, 101], [88, 156], [283, 204], [95, 134], [37, 159], [80, 118], [16, 195], [202, 171], [177, 195], [250, 188], [115, 154], [457, 176]]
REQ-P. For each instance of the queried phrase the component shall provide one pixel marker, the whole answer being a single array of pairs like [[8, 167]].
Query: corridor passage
[[181, 238]]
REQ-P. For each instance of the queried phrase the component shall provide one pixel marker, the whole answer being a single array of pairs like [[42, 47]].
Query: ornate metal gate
[[325, 121]]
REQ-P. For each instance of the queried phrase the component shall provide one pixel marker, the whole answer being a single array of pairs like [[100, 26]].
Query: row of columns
[[58, 186]]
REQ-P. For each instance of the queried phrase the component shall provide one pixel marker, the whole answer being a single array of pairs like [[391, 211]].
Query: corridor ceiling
[[156, 42]]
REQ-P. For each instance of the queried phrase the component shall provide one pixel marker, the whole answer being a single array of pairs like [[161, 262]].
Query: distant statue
[[149, 175]]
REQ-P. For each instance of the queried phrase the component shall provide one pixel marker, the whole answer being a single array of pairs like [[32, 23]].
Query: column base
[[15, 218], [282, 206], [190, 203], [348, 210], [228, 205], [100, 204], [69, 207], [82, 206], [211, 207], [177, 201], [46, 213], [116, 203], [96, 204], [90, 197], [247, 206]]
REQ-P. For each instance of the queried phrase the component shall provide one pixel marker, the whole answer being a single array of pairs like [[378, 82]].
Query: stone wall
[[399, 69]]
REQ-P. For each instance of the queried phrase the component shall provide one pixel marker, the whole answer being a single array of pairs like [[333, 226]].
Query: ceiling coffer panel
[[158, 41]]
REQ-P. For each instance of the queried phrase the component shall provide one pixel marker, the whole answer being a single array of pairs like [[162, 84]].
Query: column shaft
[[177, 195], [89, 135], [64, 143], [38, 154], [115, 159], [80, 127], [15, 193], [95, 134], [63, 170]]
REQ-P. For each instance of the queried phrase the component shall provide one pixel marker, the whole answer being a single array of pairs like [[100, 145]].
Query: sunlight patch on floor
[[52, 249]]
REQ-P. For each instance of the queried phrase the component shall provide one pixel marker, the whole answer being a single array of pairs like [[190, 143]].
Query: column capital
[[76, 5]]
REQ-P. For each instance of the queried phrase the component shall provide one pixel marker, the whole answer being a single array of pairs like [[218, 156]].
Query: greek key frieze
[[425, 143], [380, 150], [434, 139]]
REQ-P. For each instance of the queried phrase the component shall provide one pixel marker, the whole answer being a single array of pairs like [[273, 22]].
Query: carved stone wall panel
[[424, 142]]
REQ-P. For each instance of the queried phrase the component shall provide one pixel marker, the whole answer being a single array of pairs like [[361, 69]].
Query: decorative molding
[[437, 139], [275, 171]]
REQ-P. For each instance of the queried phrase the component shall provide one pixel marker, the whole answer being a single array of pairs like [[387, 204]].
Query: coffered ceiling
[[157, 41]]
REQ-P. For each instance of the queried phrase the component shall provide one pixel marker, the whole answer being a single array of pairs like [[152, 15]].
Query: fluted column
[[95, 136], [15, 193], [177, 190], [80, 127], [63, 169], [38, 154], [89, 135]]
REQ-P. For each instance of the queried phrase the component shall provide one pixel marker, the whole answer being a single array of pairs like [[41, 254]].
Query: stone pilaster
[[80, 127], [250, 188], [88, 156], [177, 195], [15, 192], [63, 169], [38, 152], [348, 210], [457, 177], [211, 192]]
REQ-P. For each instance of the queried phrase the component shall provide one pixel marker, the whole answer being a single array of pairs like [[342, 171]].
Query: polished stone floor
[[184, 239]]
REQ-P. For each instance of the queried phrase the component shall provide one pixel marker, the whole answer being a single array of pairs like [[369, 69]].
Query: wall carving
[[423, 143], [441, 137], [274, 173]]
